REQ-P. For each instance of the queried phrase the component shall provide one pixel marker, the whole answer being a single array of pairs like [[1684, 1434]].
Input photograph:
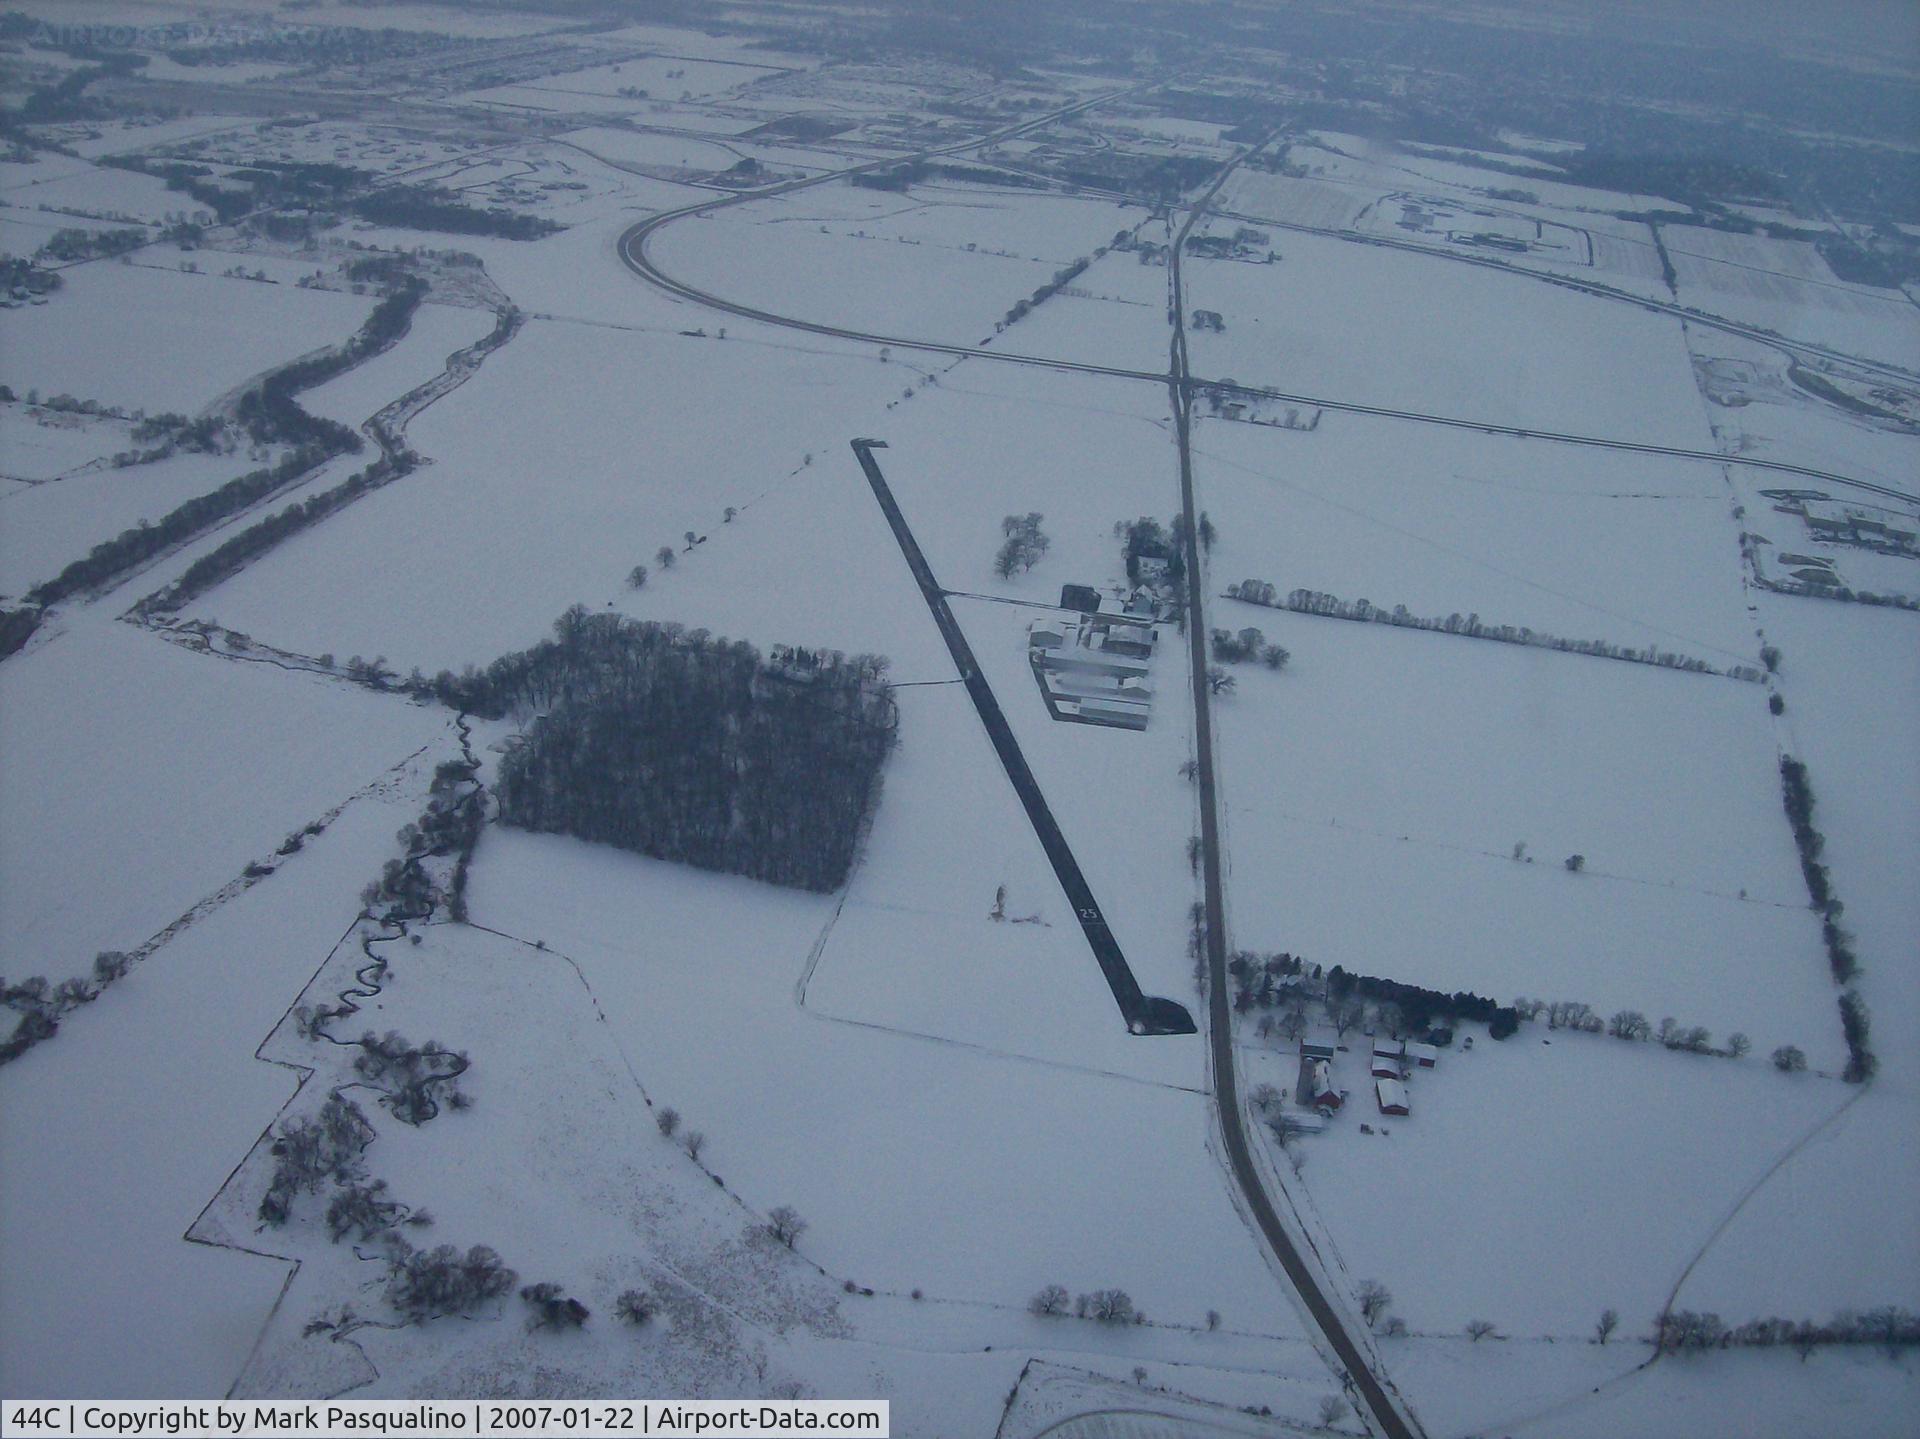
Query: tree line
[[271, 414], [1891, 1326], [397, 462], [684, 747], [1797, 793], [1286, 979], [1315, 602], [427, 207]]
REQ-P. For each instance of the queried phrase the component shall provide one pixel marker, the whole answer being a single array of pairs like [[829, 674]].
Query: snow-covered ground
[[122, 1127], [1412, 763], [1570, 541], [950, 1100], [907, 1153], [623, 454], [158, 340], [933, 264], [1421, 333], [137, 745], [45, 527], [1785, 286]]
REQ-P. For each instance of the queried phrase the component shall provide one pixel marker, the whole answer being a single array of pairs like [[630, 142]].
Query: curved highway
[[633, 254]]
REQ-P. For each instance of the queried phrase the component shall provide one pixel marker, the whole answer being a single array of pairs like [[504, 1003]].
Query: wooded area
[[685, 747]]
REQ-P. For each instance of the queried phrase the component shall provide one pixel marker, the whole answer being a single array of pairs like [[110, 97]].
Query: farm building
[[1316, 1090], [1084, 598], [1391, 1095]]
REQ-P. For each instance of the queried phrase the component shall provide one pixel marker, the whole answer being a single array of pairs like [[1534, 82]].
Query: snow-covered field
[[1410, 332], [1480, 1203], [138, 744], [121, 1128], [660, 77], [936, 264], [45, 527], [950, 1100], [1410, 764], [625, 452], [1784, 286], [1571, 541], [437, 331], [1851, 679], [883, 1139], [159, 340]]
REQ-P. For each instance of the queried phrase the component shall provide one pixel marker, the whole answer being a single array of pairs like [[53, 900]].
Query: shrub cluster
[[40, 1005], [1248, 644], [425, 1284], [414, 1077], [309, 1152]]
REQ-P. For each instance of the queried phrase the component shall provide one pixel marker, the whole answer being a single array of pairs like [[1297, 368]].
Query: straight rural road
[[1386, 1413], [1144, 1013]]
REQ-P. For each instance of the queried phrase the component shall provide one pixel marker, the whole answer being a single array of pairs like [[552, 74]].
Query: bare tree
[[785, 1224], [1609, 1321], [636, 577], [668, 1119], [1332, 1408], [1110, 1306], [1346, 1016], [634, 1306], [1789, 1059], [1738, 1045], [1629, 1024], [1050, 1301], [1213, 1320], [1478, 1329], [664, 557], [1374, 1298], [1287, 1128], [1263, 1097], [1293, 1019], [693, 1141]]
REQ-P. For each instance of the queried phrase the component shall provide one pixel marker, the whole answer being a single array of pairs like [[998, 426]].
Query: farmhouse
[[1391, 1095]]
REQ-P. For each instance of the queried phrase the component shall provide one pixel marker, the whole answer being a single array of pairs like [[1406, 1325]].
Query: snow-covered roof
[[1391, 1093]]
